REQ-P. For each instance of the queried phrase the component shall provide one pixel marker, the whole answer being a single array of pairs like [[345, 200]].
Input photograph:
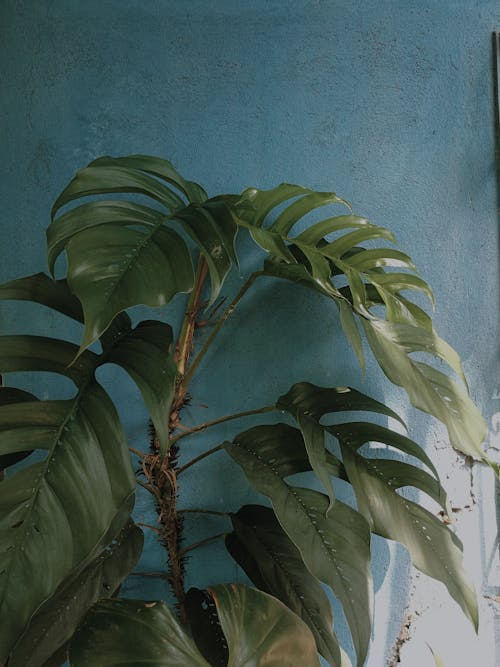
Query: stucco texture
[[390, 104]]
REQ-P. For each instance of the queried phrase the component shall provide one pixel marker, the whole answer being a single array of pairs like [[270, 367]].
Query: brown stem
[[184, 345], [201, 543], [200, 457], [220, 420], [161, 472]]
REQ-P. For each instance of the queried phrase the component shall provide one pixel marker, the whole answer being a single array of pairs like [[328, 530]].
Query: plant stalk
[[221, 420], [227, 313]]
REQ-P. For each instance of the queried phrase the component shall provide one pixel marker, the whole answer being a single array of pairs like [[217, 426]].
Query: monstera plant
[[135, 232]]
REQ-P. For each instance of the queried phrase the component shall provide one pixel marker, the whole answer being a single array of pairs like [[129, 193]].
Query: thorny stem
[[161, 473], [192, 369], [220, 420], [207, 540]]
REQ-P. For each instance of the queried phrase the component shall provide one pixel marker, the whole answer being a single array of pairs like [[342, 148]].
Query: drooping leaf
[[112, 268], [260, 630], [132, 632], [274, 564], [213, 229], [56, 620], [39, 288], [434, 549], [313, 258], [429, 390], [59, 513], [334, 547], [147, 354]]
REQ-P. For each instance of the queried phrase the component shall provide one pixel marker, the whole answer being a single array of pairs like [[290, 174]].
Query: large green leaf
[[39, 288], [116, 633], [59, 513], [122, 253], [330, 248], [147, 354], [434, 549], [273, 563], [260, 630], [112, 268], [56, 621], [429, 390], [334, 547]]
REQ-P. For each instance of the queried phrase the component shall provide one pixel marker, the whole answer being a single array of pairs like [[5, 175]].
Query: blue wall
[[388, 102]]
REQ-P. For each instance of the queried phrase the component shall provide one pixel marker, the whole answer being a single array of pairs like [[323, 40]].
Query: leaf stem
[[207, 540], [220, 420], [147, 525], [198, 458], [198, 510], [227, 313]]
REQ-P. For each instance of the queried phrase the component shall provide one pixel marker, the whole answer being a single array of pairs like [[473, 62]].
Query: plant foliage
[[133, 230]]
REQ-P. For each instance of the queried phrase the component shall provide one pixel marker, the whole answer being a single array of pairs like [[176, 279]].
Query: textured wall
[[387, 102]]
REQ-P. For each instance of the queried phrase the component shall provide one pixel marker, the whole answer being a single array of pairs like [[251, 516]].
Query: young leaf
[[260, 630]]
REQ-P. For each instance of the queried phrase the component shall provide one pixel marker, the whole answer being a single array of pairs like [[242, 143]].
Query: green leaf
[[97, 179], [310, 258], [429, 390], [273, 563], [39, 288], [132, 632], [112, 268], [94, 214], [157, 167], [59, 513], [433, 548], [14, 448], [147, 354], [205, 627], [57, 619], [335, 548], [260, 630], [213, 229], [305, 398]]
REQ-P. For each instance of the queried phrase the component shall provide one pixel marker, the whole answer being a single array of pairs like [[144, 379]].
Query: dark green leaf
[[206, 628], [147, 355], [112, 268], [213, 229], [335, 548], [42, 289], [57, 619], [271, 560], [15, 451], [132, 632], [94, 214]]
